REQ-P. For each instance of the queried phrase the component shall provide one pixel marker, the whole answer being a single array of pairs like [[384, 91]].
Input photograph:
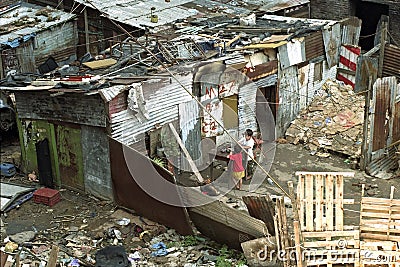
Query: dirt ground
[[80, 216]]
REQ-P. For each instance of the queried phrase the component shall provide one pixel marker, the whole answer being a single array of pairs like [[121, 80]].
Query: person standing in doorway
[[237, 167], [247, 142]]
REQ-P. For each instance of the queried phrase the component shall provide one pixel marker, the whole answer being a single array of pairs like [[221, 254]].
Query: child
[[247, 143], [237, 166]]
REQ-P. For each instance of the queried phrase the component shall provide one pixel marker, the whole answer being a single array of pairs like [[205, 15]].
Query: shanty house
[[36, 39]]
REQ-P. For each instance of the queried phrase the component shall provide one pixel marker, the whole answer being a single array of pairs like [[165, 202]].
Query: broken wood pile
[[332, 122]]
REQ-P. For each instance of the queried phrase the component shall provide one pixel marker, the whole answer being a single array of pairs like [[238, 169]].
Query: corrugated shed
[[137, 13], [28, 19], [314, 45], [247, 107], [391, 61], [351, 29], [159, 106]]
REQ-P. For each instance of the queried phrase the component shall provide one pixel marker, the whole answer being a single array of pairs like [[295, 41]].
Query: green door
[[69, 150]]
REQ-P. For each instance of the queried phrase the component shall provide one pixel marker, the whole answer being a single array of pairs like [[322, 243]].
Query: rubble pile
[[333, 122], [80, 235]]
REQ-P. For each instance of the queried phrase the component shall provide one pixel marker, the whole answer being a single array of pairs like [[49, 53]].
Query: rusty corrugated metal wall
[[314, 44], [391, 61]]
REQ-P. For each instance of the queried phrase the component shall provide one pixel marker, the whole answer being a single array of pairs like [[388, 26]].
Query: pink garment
[[237, 162]]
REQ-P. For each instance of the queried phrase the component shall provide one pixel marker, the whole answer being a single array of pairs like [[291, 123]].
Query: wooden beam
[[86, 30], [186, 152]]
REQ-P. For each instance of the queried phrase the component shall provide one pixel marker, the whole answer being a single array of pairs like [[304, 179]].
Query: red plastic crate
[[46, 196]]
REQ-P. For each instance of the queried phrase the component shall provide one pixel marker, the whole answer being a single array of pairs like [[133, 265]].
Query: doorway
[[370, 14]]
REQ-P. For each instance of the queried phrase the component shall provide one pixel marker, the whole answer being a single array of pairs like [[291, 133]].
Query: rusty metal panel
[[381, 105], [366, 71], [348, 64], [314, 45], [288, 106], [70, 160], [332, 42], [396, 117], [391, 61], [128, 193], [351, 29], [263, 208]]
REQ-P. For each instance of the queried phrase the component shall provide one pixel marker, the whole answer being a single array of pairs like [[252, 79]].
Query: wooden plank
[[297, 238], [352, 233], [380, 215], [309, 203], [381, 230], [319, 200], [52, 262], [345, 201], [339, 205], [300, 197], [323, 252], [379, 237], [344, 174], [331, 243], [186, 152], [379, 208], [329, 202], [380, 201], [380, 222]]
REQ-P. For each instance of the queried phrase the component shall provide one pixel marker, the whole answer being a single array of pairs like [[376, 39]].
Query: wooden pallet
[[320, 197], [329, 248], [326, 240], [380, 231]]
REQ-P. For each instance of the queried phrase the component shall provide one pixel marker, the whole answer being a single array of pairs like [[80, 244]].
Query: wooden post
[[296, 226], [364, 149], [86, 30], [383, 39], [189, 158]]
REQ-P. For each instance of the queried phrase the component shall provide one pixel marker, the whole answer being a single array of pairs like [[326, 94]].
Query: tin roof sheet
[[137, 13], [27, 19]]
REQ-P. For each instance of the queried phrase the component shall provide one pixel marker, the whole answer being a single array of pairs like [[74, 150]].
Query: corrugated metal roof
[[160, 107], [276, 5], [137, 13], [29, 19]]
